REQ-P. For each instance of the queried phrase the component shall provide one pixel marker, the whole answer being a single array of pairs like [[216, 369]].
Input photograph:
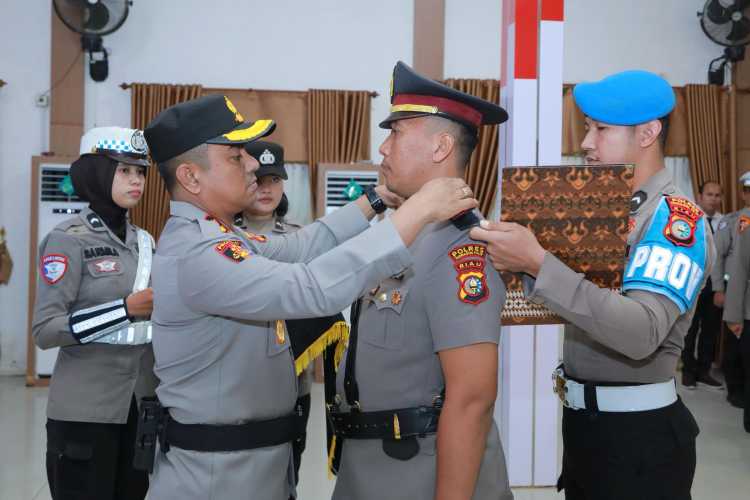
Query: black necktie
[[710, 223]]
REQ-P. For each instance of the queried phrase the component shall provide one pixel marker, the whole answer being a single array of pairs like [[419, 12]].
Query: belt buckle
[[558, 385]]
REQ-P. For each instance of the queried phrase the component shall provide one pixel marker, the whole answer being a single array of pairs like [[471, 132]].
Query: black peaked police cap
[[211, 119], [270, 156], [414, 95]]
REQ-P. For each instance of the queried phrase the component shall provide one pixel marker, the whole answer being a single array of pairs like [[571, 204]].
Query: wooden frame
[[321, 182], [36, 162]]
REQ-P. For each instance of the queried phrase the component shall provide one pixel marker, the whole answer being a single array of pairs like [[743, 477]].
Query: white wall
[[663, 36], [472, 38], [25, 66]]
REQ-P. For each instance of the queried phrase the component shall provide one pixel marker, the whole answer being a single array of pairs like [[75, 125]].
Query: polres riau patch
[[683, 218], [743, 223], [469, 261], [53, 267], [233, 250]]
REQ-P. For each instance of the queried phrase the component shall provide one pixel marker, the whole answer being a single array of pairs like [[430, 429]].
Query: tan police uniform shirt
[[451, 297], [725, 240], [636, 336], [737, 301], [91, 382], [218, 293], [279, 225]]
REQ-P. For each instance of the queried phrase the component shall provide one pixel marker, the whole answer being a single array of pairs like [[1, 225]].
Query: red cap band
[[447, 106]]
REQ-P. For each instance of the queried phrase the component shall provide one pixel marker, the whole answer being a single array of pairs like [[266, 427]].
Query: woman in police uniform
[[265, 216], [92, 297]]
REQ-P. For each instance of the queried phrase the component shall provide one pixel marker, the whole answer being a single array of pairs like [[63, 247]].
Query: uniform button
[[383, 297]]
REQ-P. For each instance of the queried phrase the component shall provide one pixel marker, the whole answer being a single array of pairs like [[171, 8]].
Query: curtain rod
[[126, 86]]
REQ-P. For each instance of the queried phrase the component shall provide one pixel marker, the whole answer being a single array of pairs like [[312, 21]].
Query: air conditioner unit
[[333, 179], [49, 207]]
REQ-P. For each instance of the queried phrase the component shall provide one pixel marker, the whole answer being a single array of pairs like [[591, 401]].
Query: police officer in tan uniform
[[267, 215], [737, 309], [626, 434], [227, 378], [416, 390], [91, 300], [726, 238]]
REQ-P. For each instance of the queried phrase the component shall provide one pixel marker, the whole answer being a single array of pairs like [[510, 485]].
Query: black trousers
[[88, 461], [744, 348], [732, 363], [645, 455], [705, 329], [298, 446]]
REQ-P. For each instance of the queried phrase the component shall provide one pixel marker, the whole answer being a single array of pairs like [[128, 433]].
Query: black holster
[[151, 418]]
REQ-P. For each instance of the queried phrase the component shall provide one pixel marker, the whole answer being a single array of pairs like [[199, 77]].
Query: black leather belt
[[390, 424], [247, 436]]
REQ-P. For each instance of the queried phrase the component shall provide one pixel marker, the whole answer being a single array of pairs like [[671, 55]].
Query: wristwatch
[[376, 202]]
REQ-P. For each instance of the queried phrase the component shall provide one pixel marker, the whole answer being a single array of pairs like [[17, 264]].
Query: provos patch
[[233, 250], [469, 261], [53, 267]]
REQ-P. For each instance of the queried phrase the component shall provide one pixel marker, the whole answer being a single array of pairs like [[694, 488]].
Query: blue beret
[[627, 98]]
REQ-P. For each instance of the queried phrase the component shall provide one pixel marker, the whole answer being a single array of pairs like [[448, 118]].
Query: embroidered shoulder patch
[[53, 267], [233, 250], [469, 262], [670, 258], [743, 223], [682, 221], [256, 237]]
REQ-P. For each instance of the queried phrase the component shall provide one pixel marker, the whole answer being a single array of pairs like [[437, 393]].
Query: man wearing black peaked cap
[[413, 410], [227, 377]]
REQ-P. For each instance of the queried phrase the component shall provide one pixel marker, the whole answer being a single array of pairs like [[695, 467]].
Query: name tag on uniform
[[671, 258]]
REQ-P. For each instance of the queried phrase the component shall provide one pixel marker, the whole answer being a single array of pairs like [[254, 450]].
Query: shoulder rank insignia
[[232, 250], [256, 237], [94, 220], [743, 223], [683, 217], [469, 261], [53, 267], [222, 227]]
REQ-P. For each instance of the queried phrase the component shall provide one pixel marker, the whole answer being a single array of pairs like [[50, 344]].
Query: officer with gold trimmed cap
[[726, 237], [228, 384], [412, 410], [93, 301], [737, 311], [626, 432]]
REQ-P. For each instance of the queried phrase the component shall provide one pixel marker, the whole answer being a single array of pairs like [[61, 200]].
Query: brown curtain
[[338, 128], [481, 173], [703, 104], [573, 120], [146, 101]]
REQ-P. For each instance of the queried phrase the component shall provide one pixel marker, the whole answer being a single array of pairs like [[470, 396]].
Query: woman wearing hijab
[[93, 302]]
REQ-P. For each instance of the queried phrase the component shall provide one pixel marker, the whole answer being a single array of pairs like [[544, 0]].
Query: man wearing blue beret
[[626, 433]]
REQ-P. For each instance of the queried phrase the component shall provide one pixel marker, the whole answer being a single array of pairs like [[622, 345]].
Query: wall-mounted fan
[[726, 22], [93, 19]]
